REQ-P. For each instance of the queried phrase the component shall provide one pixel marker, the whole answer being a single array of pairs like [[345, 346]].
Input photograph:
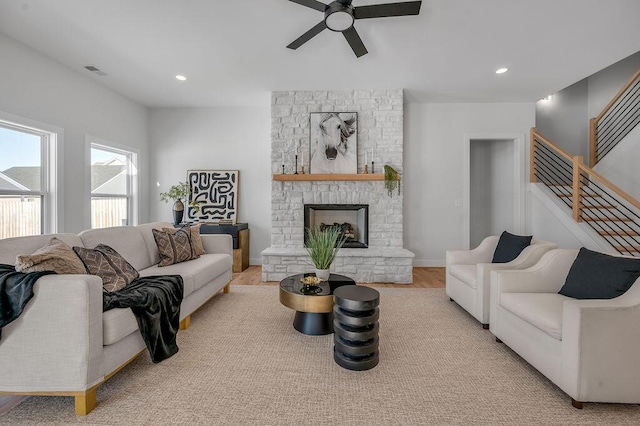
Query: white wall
[[620, 165], [492, 189], [563, 119], [433, 169], [215, 139], [604, 84], [34, 87], [545, 225]]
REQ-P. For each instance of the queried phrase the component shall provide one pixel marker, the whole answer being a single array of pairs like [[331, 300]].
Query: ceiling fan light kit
[[340, 15]]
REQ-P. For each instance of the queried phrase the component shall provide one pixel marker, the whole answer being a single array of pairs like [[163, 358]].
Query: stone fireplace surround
[[380, 126]]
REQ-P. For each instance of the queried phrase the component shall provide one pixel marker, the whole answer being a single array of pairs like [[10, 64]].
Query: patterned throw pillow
[[197, 248], [173, 247], [53, 256], [108, 264]]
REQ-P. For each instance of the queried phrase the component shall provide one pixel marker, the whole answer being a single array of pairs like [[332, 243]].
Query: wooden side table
[[240, 234]]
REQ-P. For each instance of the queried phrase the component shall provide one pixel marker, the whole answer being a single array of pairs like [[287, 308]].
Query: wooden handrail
[[617, 96], [610, 185], [562, 152]]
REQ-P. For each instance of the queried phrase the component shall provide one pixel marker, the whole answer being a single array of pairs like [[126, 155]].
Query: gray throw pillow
[[596, 275], [510, 246]]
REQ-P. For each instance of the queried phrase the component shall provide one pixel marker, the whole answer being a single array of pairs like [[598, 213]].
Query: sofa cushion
[[596, 275], [510, 246], [126, 240], [54, 256], [197, 248], [468, 274], [105, 262], [173, 247], [195, 273], [117, 324], [147, 234], [541, 310], [10, 248]]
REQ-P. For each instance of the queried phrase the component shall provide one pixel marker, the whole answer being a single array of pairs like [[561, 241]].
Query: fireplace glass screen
[[351, 219]]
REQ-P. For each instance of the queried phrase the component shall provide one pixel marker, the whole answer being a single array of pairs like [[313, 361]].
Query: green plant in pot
[[322, 247], [176, 193], [391, 180]]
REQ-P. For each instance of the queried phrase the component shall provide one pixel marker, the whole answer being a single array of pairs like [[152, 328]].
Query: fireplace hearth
[[351, 219]]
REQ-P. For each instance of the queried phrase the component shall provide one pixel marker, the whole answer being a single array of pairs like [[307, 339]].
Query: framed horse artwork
[[334, 142]]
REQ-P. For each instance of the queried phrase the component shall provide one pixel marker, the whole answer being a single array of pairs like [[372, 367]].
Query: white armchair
[[588, 348], [467, 273]]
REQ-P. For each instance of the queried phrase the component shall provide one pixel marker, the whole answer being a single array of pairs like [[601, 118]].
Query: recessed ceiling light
[[181, 77], [501, 70]]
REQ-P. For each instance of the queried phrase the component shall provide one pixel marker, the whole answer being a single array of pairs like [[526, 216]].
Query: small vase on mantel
[[323, 274], [178, 212]]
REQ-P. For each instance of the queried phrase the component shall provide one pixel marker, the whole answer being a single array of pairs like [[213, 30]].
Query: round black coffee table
[[314, 307]]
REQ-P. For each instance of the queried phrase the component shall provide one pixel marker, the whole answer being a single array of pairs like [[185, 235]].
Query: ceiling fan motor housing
[[338, 16]]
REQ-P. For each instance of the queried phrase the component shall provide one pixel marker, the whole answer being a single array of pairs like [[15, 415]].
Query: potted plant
[[391, 180], [322, 247], [176, 193]]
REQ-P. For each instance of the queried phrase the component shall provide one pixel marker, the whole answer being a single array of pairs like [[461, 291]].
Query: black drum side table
[[355, 324]]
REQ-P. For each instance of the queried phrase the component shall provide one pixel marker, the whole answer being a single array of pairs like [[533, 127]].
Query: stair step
[[600, 207], [571, 195], [629, 249], [621, 234], [606, 219]]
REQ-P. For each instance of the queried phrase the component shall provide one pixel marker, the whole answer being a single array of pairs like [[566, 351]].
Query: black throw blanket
[[155, 301], [16, 289]]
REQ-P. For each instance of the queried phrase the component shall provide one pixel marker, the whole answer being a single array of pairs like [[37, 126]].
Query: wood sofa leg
[[498, 340], [450, 300], [185, 323], [576, 404], [226, 288], [86, 401], [485, 326]]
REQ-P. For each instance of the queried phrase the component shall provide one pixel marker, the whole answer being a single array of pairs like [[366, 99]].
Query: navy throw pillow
[[510, 246], [596, 275]]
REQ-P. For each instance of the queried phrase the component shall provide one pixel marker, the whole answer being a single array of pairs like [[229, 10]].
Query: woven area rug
[[242, 363]]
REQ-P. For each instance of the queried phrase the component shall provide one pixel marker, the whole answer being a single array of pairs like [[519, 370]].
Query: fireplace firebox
[[351, 219]]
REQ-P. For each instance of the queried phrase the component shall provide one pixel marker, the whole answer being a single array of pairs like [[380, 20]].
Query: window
[[27, 180], [113, 173]]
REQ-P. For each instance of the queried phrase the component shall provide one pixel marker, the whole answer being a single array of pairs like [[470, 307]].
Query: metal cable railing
[[616, 120], [611, 212]]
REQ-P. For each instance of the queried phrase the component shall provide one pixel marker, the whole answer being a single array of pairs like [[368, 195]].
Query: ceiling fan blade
[[313, 4], [386, 10], [307, 36], [345, 2], [355, 41]]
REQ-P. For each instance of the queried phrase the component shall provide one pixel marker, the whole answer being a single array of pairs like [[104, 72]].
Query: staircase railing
[[611, 212], [616, 120]]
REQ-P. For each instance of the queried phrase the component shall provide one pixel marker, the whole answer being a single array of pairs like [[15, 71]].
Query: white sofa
[[588, 348], [63, 344], [467, 273]]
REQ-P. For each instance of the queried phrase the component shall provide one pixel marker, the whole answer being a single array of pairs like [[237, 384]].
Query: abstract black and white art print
[[334, 142], [216, 192]]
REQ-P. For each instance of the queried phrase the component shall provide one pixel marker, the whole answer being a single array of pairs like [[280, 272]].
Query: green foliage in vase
[[176, 192], [323, 246], [391, 180]]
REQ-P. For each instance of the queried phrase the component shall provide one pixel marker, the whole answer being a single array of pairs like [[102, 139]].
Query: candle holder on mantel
[[373, 167], [366, 169], [283, 169], [302, 169], [296, 168]]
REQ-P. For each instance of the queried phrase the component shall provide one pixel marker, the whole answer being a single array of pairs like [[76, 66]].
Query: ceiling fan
[[340, 15]]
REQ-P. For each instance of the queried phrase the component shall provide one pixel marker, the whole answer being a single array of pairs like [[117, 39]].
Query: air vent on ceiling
[[95, 70]]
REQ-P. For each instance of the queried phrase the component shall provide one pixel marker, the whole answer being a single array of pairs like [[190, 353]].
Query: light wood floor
[[422, 278]]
